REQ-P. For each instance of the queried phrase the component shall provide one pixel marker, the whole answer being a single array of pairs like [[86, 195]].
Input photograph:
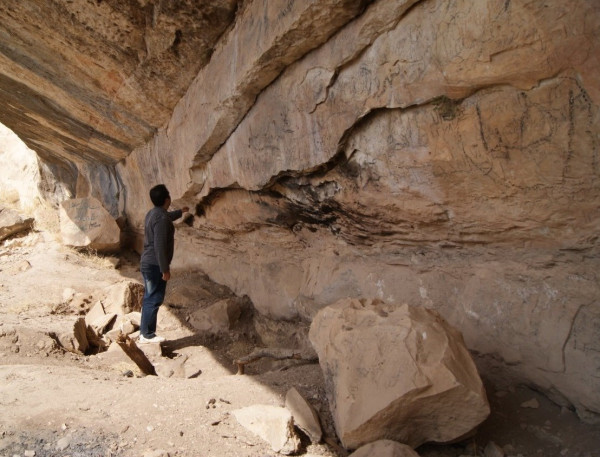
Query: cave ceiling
[[90, 80]]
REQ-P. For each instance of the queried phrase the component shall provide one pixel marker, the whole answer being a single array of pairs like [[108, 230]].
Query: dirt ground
[[57, 403]]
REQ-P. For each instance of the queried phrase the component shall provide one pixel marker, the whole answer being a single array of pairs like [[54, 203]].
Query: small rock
[[29, 453], [493, 450], [305, 417], [63, 443], [273, 424], [533, 403]]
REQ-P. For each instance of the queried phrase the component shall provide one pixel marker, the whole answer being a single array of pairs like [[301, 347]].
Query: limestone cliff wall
[[440, 153]]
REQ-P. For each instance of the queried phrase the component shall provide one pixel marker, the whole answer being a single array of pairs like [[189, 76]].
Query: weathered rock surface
[[92, 80], [425, 163], [289, 30], [384, 448], [273, 424], [396, 372], [84, 223]]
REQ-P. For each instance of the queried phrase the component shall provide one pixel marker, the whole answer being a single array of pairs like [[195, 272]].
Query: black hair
[[159, 195]]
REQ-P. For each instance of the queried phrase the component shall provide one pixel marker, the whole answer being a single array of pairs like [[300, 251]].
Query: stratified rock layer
[[435, 153], [85, 80]]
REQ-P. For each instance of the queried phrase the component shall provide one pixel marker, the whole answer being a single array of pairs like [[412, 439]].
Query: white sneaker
[[155, 339]]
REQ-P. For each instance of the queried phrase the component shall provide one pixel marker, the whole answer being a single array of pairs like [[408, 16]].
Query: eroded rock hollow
[[438, 153]]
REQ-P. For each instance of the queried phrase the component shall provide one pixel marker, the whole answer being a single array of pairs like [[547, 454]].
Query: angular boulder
[[218, 318], [123, 298], [85, 223], [75, 341], [273, 424], [12, 223], [396, 372]]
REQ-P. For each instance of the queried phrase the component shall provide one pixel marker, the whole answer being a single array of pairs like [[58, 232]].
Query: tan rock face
[[396, 372], [223, 92], [442, 155]]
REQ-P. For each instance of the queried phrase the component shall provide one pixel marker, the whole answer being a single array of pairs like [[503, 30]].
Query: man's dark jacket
[[159, 237]]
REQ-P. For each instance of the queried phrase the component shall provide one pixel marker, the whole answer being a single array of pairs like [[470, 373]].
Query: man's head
[[159, 195]]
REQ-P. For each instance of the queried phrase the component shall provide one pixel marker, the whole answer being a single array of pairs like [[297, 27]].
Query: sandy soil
[[56, 403]]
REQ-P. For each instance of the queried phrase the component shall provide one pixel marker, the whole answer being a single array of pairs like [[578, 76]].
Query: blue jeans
[[154, 295]]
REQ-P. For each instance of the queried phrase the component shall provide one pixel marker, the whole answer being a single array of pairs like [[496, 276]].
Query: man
[[159, 241]]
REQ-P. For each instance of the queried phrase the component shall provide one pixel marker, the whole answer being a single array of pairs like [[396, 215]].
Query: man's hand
[[185, 209], [166, 276]]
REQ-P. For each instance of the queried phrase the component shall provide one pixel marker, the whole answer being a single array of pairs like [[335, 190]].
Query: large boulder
[[396, 372], [84, 223]]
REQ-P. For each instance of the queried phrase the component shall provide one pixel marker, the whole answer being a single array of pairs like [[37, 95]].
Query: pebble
[[63, 443], [29, 453]]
